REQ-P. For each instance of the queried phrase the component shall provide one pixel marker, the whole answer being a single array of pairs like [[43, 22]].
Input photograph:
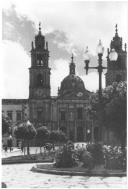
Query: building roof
[[14, 101], [72, 85]]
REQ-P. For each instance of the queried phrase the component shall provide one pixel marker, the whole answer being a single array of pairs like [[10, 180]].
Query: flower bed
[[114, 158], [94, 155]]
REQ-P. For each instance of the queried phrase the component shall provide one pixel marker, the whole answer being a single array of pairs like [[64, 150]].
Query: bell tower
[[39, 82], [39, 72], [117, 70]]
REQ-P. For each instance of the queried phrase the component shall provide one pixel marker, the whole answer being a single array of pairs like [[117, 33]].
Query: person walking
[[5, 147], [10, 143], [22, 147]]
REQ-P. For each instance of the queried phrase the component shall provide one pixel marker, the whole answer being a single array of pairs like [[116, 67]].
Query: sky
[[68, 26]]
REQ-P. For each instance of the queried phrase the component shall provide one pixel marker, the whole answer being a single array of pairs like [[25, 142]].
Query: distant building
[[117, 71], [68, 110]]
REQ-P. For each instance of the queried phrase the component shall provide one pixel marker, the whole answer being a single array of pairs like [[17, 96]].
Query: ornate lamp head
[[113, 55], [100, 48], [86, 59]]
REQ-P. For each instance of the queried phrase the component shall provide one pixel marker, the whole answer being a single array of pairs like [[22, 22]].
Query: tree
[[42, 136], [25, 131], [114, 99], [57, 136], [6, 124], [115, 112]]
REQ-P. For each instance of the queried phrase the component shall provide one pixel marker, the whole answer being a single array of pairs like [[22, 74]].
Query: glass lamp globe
[[86, 55], [88, 131], [100, 48], [113, 55]]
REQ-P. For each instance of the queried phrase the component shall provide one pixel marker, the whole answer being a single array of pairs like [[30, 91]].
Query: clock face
[[79, 94], [39, 92]]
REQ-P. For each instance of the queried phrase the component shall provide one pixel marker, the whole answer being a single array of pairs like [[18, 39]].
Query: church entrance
[[80, 134], [96, 134]]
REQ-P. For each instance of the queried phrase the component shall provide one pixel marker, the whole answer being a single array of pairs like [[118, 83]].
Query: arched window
[[39, 80], [80, 134], [62, 115], [79, 113]]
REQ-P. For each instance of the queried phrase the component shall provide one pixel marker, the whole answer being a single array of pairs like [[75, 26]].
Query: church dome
[[72, 85]]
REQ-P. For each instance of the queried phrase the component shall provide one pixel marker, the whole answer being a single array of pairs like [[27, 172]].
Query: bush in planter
[[64, 157], [84, 157], [96, 152], [87, 159], [115, 158]]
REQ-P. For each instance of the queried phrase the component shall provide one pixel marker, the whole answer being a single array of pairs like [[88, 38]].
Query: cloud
[[91, 81], [84, 22], [21, 29], [17, 28], [69, 26], [15, 71], [58, 74]]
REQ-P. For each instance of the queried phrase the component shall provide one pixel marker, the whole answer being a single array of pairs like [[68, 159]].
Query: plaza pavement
[[17, 152]]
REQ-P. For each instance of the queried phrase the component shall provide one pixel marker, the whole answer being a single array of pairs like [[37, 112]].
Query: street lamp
[[100, 51], [113, 55], [87, 60], [100, 68]]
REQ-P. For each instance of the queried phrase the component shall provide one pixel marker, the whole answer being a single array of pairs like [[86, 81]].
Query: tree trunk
[[23, 144], [28, 152], [53, 146], [40, 150]]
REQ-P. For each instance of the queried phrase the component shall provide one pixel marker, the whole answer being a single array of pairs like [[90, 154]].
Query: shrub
[[25, 131], [96, 152], [57, 136], [6, 124], [42, 136], [87, 159], [64, 157], [114, 157]]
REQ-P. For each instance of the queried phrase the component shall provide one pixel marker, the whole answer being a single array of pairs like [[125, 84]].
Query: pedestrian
[[5, 147], [9, 142], [22, 147]]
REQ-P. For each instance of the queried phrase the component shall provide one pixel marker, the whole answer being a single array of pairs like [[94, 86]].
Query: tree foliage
[[6, 124], [114, 100], [25, 131], [57, 136], [42, 135]]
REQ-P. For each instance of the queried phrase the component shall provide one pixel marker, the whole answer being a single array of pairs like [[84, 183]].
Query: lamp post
[[112, 57], [100, 67]]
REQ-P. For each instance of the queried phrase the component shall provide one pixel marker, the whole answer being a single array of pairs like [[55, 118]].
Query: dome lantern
[[72, 66]]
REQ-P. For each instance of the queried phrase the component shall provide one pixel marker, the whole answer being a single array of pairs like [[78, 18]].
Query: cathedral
[[68, 110]]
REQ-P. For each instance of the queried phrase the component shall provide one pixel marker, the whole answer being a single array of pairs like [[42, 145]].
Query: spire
[[72, 57], [39, 27], [72, 65], [125, 47], [116, 30], [46, 45]]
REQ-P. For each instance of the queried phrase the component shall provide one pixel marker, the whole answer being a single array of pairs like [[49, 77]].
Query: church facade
[[68, 110]]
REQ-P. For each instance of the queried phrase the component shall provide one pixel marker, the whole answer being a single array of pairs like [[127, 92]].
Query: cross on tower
[[116, 30], [39, 27], [72, 57]]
